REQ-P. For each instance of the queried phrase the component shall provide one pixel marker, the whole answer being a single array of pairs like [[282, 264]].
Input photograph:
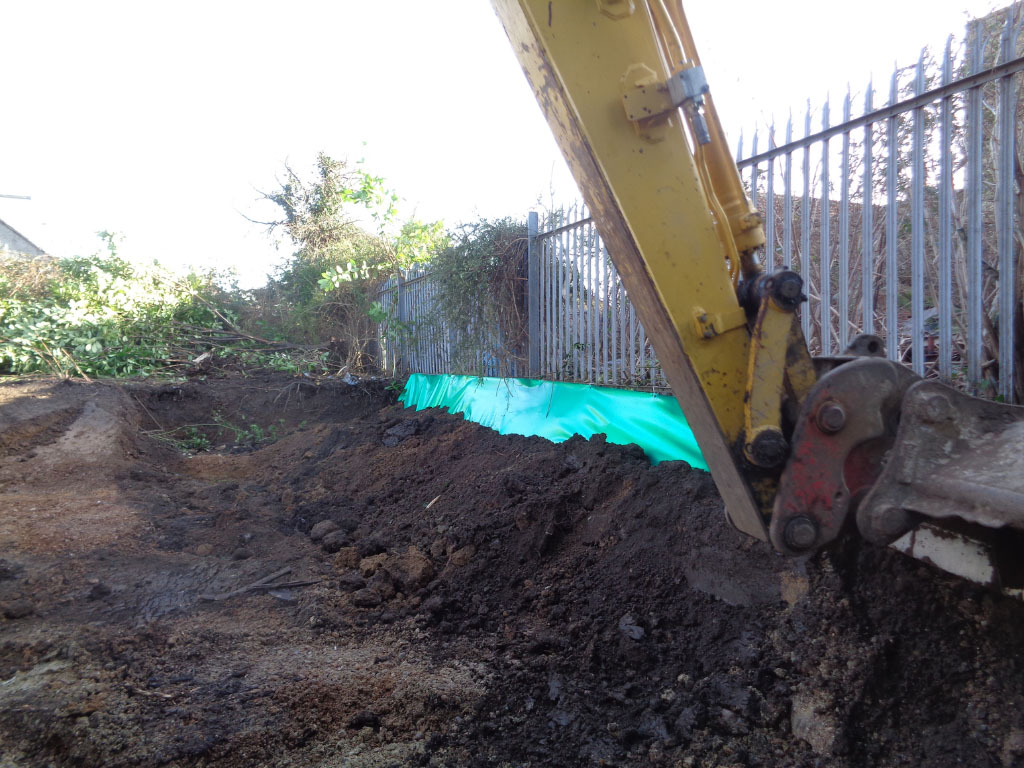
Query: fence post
[[975, 145], [401, 301], [533, 293], [1005, 199]]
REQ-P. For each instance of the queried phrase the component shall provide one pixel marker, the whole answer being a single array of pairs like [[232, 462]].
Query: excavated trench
[[444, 596]]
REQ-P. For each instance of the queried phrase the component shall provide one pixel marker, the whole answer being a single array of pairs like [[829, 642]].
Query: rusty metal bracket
[[846, 424]]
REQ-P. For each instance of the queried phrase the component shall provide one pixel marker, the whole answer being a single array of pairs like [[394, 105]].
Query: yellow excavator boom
[[798, 447], [650, 199]]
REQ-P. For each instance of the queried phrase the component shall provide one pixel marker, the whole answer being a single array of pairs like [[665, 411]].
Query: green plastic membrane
[[559, 410]]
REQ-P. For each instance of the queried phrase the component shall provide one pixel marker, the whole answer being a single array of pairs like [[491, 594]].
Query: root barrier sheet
[[559, 410]]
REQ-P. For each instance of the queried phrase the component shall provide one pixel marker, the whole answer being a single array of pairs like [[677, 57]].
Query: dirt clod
[[412, 570], [334, 541], [99, 590], [17, 609], [351, 582], [463, 556], [813, 721], [346, 559], [369, 565], [367, 598], [321, 529], [364, 719]]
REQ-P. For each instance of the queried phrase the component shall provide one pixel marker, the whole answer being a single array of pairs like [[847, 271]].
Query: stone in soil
[[321, 529]]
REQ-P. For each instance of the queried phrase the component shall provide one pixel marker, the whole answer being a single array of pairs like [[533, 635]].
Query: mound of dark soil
[[458, 598]]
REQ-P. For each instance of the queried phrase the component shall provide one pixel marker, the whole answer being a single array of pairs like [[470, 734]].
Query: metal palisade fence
[[407, 342], [585, 327], [580, 324], [906, 221], [415, 337]]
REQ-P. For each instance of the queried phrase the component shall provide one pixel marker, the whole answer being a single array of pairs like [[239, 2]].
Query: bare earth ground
[[481, 600]]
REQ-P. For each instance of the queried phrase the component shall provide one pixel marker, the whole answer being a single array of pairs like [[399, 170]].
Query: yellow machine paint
[[671, 210]]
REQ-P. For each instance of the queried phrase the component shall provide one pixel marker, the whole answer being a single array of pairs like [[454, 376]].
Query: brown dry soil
[[481, 600]]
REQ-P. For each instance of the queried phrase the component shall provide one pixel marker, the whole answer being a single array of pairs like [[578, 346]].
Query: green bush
[[105, 316], [480, 301], [96, 316], [343, 223]]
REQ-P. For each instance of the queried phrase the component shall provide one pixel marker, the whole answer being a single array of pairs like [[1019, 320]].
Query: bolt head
[[768, 449], [935, 408], [787, 288], [831, 417], [891, 522], [800, 533]]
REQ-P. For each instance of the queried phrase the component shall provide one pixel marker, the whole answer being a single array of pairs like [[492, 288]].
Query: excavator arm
[[798, 448]]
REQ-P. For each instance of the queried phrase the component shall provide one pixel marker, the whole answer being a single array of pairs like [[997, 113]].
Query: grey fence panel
[[922, 200], [787, 203], [533, 302], [567, 308], [1005, 199], [844, 233], [591, 327], [975, 137], [867, 228], [891, 237], [632, 342], [593, 310], [606, 326], [917, 230], [805, 229], [946, 220], [824, 248], [577, 314], [547, 249], [415, 338], [563, 304]]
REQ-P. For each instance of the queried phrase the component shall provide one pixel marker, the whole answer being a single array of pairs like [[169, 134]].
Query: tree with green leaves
[[347, 234]]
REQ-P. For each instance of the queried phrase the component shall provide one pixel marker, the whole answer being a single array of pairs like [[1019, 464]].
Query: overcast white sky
[[159, 121]]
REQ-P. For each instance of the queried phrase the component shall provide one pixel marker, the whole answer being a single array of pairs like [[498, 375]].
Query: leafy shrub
[[104, 316], [344, 225], [481, 294], [97, 316]]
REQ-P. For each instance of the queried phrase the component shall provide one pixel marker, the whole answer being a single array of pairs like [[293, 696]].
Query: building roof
[[12, 241]]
